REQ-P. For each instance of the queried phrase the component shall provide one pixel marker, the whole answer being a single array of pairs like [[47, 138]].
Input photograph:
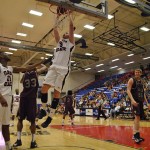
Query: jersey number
[[8, 82], [30, 83]]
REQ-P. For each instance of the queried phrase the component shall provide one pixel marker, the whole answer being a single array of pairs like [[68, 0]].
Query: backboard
[[95, 8]]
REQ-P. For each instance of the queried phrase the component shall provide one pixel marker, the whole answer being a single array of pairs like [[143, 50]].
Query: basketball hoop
[[59, 11]]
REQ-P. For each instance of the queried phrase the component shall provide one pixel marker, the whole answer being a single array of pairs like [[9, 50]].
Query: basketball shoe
[[17, 143], [136, 137], [41, 114], [47, 122], [33, 144]]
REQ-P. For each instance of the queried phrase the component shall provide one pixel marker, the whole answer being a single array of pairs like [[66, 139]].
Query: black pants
[[100, 111]]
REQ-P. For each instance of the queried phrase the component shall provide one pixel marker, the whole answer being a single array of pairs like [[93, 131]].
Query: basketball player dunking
[[58, 71]]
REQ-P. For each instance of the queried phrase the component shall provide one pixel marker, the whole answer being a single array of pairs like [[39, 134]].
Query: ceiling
[[127, 20]]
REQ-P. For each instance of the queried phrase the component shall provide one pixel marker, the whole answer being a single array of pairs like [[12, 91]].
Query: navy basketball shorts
[[27, 109], [70, 110], [138, 111]]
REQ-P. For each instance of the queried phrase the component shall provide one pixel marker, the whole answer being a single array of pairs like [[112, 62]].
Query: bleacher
[[98, 87]]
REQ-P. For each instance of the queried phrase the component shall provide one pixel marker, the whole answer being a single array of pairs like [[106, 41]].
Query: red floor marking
[[118, 134]]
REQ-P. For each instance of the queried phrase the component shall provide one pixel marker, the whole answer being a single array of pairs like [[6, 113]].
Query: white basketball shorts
[[15, 108], [56, 77], [5, 112]]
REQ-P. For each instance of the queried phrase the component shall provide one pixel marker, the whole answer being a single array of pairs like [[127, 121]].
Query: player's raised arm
[[42, 69], [71, 28], [28, 68], [56, 34]]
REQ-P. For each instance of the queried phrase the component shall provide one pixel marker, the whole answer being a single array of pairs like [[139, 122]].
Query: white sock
[[63, 121], [33, 137], [8, 145], [19, 135], [44, 106], [71, 120], [52, 112]]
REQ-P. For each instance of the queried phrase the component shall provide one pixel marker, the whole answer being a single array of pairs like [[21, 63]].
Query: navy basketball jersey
[[137, 90], [69, 101], [30, 85]]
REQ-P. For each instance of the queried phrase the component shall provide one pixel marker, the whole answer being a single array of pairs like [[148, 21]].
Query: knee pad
[[44, 97], [54, 103]]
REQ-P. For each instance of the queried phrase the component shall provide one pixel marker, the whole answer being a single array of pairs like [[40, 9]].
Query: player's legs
[[48, 82], [64, 116], [19, 130], [31, 115], [72, 112], [6, 135], [5, 120], [138, 112], [60, 77], [44, 99], [21, 116], [33, 129], [53, 107], [14, 113]]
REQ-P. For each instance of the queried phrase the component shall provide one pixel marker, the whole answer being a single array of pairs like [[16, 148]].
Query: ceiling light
[[130, 1], [9, 53], [87, 68], [27, 25], [16, 41], [89, 27], [77, 36], [88, 54], [110, 16], [113, 67], [46, 58], [111, 44], [13, 49], [130, 55], [37, 13], [145, 29], [146, 58], [48, 54], [129, 63], [115, 60], [72, 61], [42, 57], [99, 65], [21, 34], [100, 70]]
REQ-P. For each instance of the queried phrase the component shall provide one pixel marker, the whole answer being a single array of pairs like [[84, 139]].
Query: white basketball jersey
[[16, 98], [62, 53], [5, 79]]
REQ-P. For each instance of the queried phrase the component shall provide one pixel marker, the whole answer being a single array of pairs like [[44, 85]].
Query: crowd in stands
[[114, 95]]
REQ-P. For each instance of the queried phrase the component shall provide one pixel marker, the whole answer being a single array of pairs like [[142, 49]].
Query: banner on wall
[[89, 112], [77, 111], [95, 112], [82, 112]]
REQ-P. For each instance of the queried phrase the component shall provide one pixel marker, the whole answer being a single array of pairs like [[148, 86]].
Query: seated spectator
[[115, 94]]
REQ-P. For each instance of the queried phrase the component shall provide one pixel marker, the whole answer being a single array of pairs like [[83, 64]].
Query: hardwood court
[[87, 134]]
